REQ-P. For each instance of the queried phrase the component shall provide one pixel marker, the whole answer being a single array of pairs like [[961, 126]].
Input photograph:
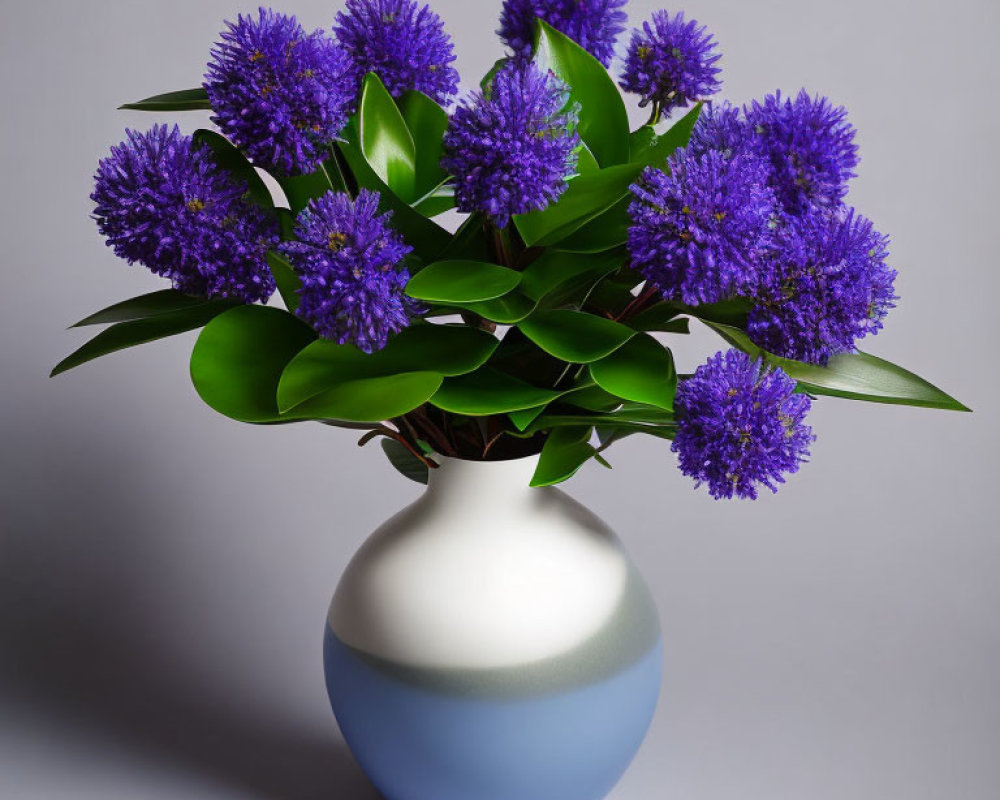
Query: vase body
[[493, 642]]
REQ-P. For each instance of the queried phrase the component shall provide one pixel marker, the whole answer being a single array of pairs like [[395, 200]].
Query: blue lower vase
[[493, 642]]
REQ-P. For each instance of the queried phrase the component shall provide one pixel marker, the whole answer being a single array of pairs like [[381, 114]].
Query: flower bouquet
[[488, 282]]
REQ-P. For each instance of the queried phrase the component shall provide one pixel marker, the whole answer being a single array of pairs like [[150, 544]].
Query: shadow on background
[[77, 650]]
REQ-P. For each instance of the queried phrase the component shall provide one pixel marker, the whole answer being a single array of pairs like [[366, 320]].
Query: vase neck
[[484, 483]]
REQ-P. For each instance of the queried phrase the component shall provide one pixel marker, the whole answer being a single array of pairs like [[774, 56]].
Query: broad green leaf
[[300, 189], [229, 158], [525, 416], [287, 281], [606, 231], [427, 123], [186, 100], [404, 461], [556, 270], [153, 304], [585, 198], [574, 336], [603, 121], [642, 370], [856, 376], [487, 80], [564, 452], [146, 329], [462, 282], [727, 312], [370, 399], [438, 349], [506, 310], [586, 163], [427, 238], [239, 357], [488, 391], [438, 200], [650, 149], [386, 142], [549, 422]]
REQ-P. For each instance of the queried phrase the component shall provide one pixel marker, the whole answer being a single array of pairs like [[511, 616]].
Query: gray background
[[165, 572]]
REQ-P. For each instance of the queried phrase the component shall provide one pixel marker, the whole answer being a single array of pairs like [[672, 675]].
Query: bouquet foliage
[[304, 235]]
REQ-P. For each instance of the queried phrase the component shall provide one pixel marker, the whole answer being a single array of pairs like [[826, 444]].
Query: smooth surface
[[165, 573]]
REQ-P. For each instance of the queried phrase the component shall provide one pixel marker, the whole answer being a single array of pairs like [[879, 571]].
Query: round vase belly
[[493, 642]]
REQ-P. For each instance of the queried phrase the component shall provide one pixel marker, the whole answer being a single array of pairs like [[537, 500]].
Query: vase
[[493, 641]]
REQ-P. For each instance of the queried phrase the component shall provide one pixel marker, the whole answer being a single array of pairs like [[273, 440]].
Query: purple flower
[[401, 42], [697, 231], [350, 263], [593, 24], [828, 286], [166, 205], [810, 145], [671, 62], [740, 426], [280, 94], [721, 127], [512, 149]]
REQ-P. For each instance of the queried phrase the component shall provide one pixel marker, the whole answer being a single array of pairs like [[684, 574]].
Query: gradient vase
[[493, 642]]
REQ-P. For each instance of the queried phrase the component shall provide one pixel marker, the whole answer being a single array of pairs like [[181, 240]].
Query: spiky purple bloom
[[740, 426], [593, 24], [281, 94], [697, 232], [829, 286], [512, 149], [404, 43], [350, 263], [163, 203], [720, 127], [671, 62], [810, 145]]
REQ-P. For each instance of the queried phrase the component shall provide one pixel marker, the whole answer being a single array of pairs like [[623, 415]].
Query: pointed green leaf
[[427, 123], [564, 452], [556, 270], [488, 391], [386, 142], [856, 376], [462, 282], [438, 349], [405, 462], [603, 121], [287, 281], [239, 357], [153, 304], [229, 158], [641, 370], [148, 329], [606, 231], [651, 149], [506, 310], [186, 100], [372, 399], [300, 189], [574, 336], [438, 200]]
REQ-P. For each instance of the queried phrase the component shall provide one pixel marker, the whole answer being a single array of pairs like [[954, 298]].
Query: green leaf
[[727, 312], [506, 310], [153, 304], [488, 391], [557, 273], [146, 329], [300, 189], [856, 376], [435, 349], [603, 121], [438, 200], [385, 139], [462, 282], [405, 462], [427, 123], [585, 198], [186, 100], [229, 158], [287, 281], [606, 231], [586, 163], [564, 452], [487, 80], [649, 149], [239, 357], [574, 336], [370, 399], [641, 370]]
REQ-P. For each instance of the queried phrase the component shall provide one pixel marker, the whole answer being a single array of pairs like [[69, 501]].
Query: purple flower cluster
[[163, 203], [280, 94], [698, 229], [829, 286], [350, 263], [740, 426], [512, 148], [405, 44], [671, 62], [593, 24]]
